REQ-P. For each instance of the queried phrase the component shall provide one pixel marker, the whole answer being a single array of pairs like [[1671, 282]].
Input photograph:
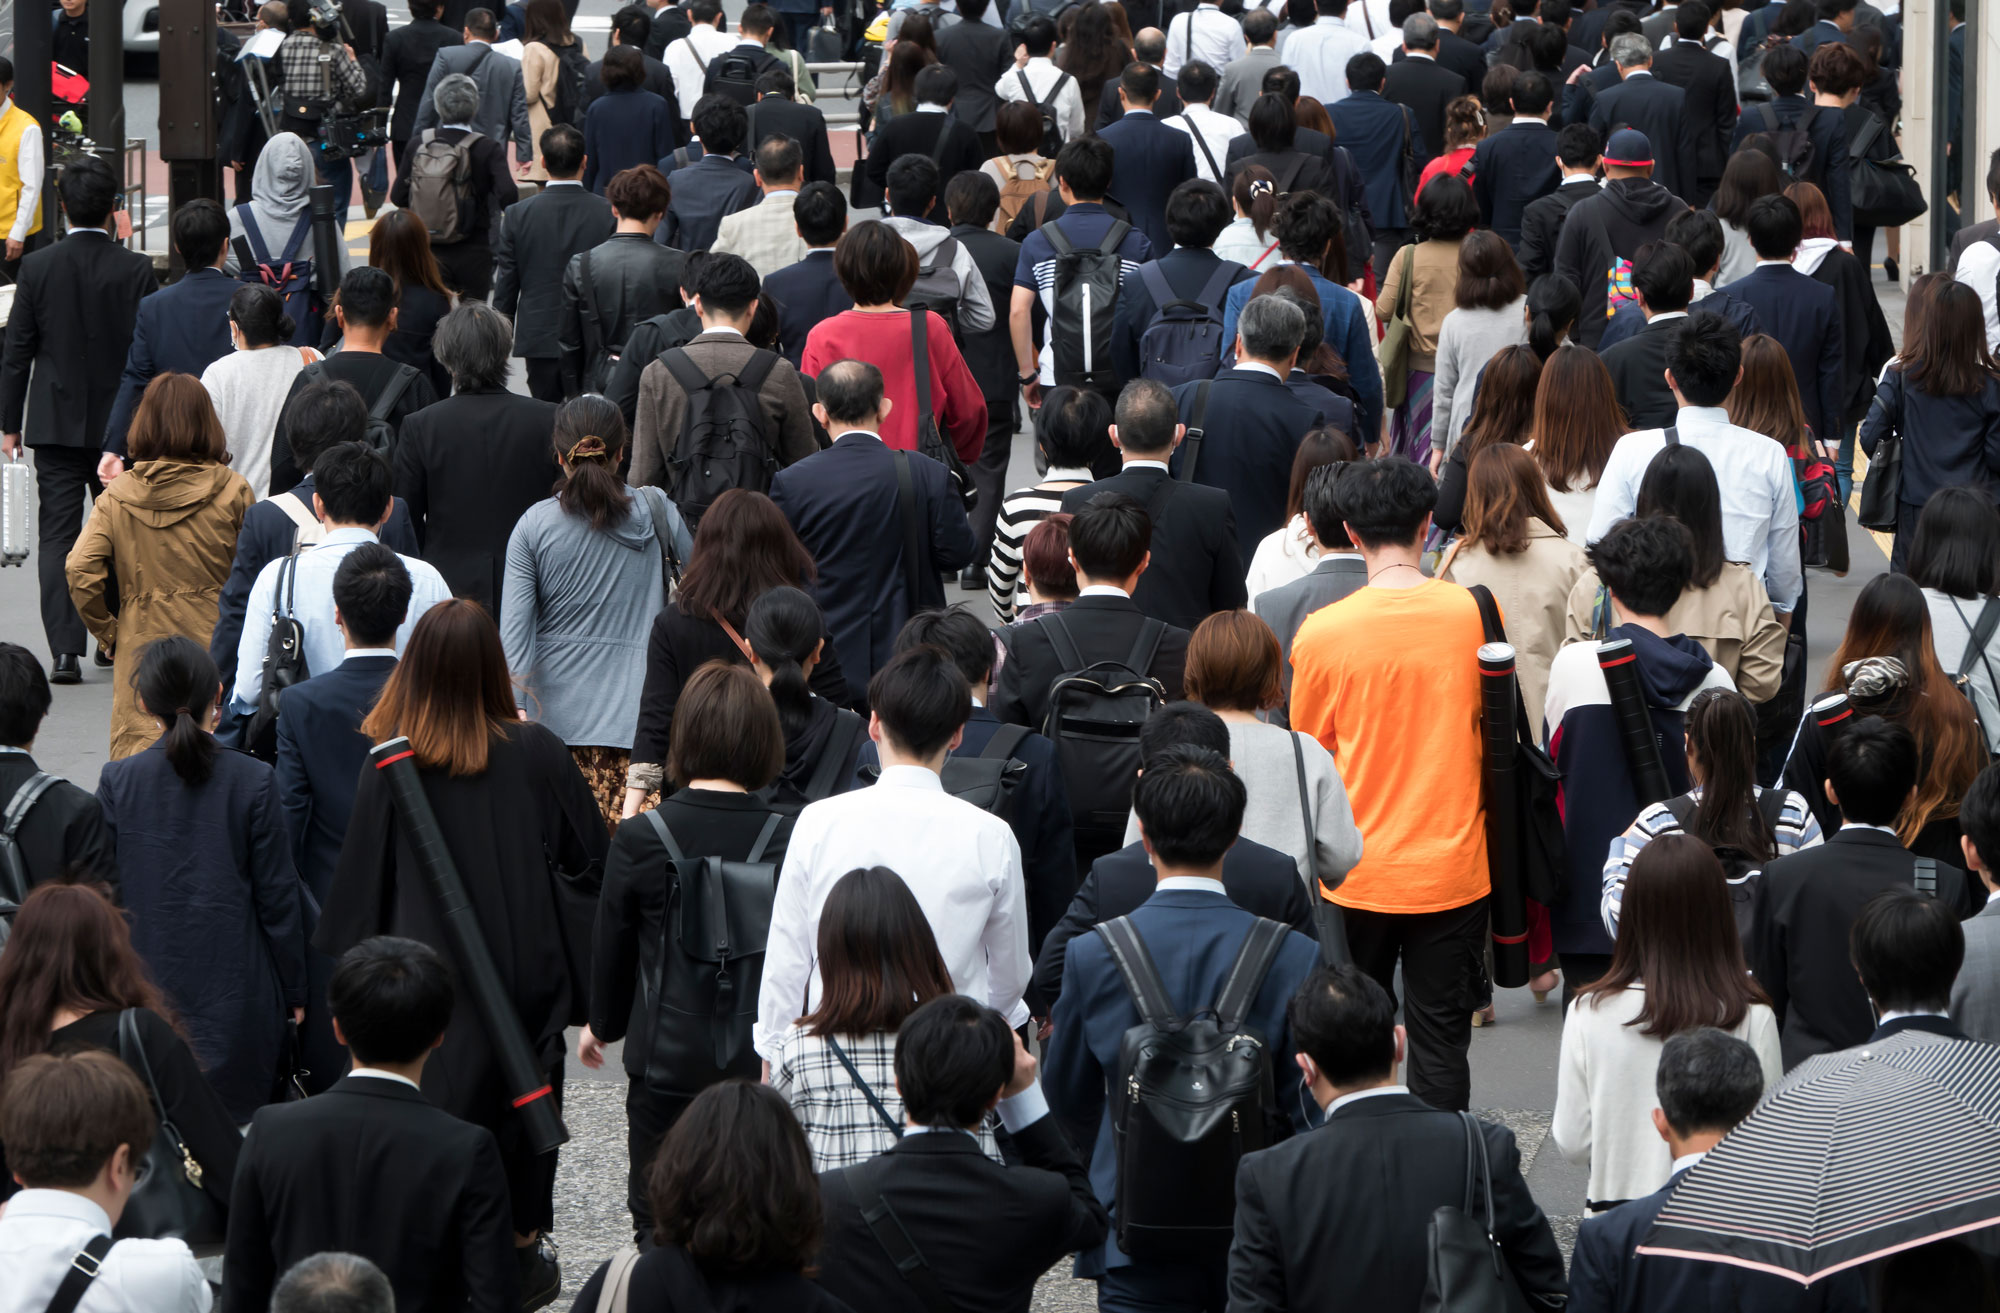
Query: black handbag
[[1465, 1272], [1885, 192], [284, 664], [168, 1200], [1882, 490]]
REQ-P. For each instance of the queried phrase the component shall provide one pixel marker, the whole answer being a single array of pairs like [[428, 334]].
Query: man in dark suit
[[1281, 81], [372, 1168], [1578, 148], [1149, 47], [980, 54], [630, 27], [67, 338], [670, 23], [1709, 83], [1834, 20], [1194, 564], [1454, 52], [1197, 212], [1374, 131], [1663, 280], [845, 506], [407, 56], [1658, 109], [1516, 166], [469, 466], [1107, 542], [1798, 310], [1260, 880], [971, 199], [502, 111], [1790, 108], [1908, 950], [537, 238], [1799, 941], [1699, 233], [808, 291], [1301, 1245], [62, 832], [715, 184], [776, 114], [1422, 85], [1190, 807], [931, 130], [184, 328], [1151, 158], [956, 1060]]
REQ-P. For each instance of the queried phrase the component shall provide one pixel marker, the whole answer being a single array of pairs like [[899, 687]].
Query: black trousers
[[649, 1115], [1906, 533], [1443, 967], [989, 473], [545, 382], [468, 267], [64, 477]]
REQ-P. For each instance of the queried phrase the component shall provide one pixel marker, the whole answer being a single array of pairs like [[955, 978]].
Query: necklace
[[1400, 565]]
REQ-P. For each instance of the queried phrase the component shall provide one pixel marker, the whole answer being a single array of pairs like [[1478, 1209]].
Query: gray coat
[[503, 97], [1286, 607], [1975, 995], [577, 606]]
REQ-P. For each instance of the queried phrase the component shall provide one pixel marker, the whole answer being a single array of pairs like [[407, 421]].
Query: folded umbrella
[[1857, 1154]]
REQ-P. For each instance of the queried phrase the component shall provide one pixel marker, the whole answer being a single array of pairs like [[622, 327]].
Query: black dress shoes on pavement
[[973, 579], [68, 669]]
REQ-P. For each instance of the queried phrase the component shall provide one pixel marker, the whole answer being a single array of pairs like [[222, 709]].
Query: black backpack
[[988, 780], [1796, 154], [735, 76], [284, 664], [572, 68], [1093, 719], [1052, 129], [722, 443], [1086, 306], [1184, 341], [1192, 1094], [1743, 871], [13, 866], [380, 433]]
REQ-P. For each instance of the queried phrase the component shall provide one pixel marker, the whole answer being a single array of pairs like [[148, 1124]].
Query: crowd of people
[[1437, 414]]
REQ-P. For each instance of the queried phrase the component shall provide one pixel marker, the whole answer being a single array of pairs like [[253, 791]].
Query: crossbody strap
[[1196, 430], [1003, 743], [83, 1269], [1981, 633], [864, 1179], [659, 825], [1305, 808], [1141, 976], [920, 351], [1201, 144], [867, 1090], [398, 385], [661, 507], [906, 509]]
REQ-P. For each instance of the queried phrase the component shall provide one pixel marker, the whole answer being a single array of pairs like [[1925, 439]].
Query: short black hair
[[1385, 502], [727, 283], [1691, 20], [921, 699], [1182, 725], [1147, 418], [1190, 806], [1345, 1022], [353, 483], [1978, 816], [1708, 1080], [633, 24], [6, 71], [1646, 561], [1873, 766], [1110, 536], [1322, 503], [1579, 145], [1664, 274], [623, 66], [776, 81], [1532, 93], [972, 197], [371, 590], [367, 295], [562, 150], [392, 997], [1445, 213], [953, 1057], [201, 230], [1085, 164], [1140, 82], [721, 123], [1197, 212], [1197, 81], [913, 183], [1705, 355], [1273, 123], [1699, 233], [1281, 80], [1907, 949], [851, 391], [323, 415], [89, 192], [956, 632], [1774, 226], [820, 212], [1038, 34], [1785, 68], [24, 695], [1365, 72], [936, 84]]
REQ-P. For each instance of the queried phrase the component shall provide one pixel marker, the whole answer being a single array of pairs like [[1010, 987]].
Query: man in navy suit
[[1516, 166], [845, 506], [808, 291], [1908, 948], [1709, 81], [1789, 108], [1656, 108], [1374, 132], [1190, 807], [1835, 21], [321, 751], [1151, 160], [182, 328], [1798, 310], [1197, 212]]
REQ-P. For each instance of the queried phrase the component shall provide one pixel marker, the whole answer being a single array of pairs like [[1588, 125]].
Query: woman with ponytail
[[587, 570], [1553, 305], [1249, 240], [205, 870], [787, 638]]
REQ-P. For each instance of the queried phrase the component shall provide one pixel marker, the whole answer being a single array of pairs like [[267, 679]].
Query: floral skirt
[[604, 771], [1410, 426]]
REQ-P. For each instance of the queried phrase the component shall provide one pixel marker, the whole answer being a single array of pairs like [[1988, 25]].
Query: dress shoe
[[541, 1274], [68, 669], [973, 579]]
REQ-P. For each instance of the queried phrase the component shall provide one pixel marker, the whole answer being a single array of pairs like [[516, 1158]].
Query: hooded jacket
[[1603, 230], [165, 530], [1599, 798], [278, 199]]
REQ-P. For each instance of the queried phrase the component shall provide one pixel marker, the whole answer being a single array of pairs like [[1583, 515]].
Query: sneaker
[[541, 1274]]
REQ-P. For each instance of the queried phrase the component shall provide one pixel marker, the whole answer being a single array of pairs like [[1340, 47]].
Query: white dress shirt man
[[1042, 77], [1203, 34], [689, 57], [1319, 54], [1211, 132]]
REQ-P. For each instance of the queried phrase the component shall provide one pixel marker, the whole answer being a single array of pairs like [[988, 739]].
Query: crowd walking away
[[1066, 682]]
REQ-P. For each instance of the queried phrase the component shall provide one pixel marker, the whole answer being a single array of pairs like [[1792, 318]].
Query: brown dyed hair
[[63, 1116], [878, 960], [1504, 488], [725, 728], [1922, 296], [1322, 446], [1234, 663], [733, 1184], [875, 264], [450, 695], [915, 50], [1464, 122], [1815, 217], [640, 192], [1504, 410], [1945, 352], [1045, 557], [176, 420], [1489, 277], [70, 949], [744, 548], [1577, 418], [1307, 112], [1677, 939], [1766, 399], [400, 244], [1837, 68]]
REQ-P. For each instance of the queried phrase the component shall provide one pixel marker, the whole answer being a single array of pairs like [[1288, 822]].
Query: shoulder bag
[[867, 1090], [1395, 353], [167, 1199], [1882, 489], [1886, 193], [13, 866], [1466, 1272], [666, 516], [1980, 630], [863, 1182], [1328, 918], [83, 1269]]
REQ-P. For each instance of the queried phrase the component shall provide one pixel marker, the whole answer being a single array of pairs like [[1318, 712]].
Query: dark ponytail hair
[[589, 438], [1722, 732], [1553, 307], [260, 312], [1256, 192], [784, 628], [177, 682]]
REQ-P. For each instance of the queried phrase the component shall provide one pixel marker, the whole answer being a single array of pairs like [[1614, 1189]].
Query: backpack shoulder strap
[[83, 1269], [1135, 965], [1114, 237], [1146, 646], [1681, 807], [252, 235], [654, 819], [1064, 642], [906, 510], [1027, 87], [1220, 282], [1156, 284], [756, 369], [1005, 741], [764, 835], [1924, 876], [1056, 90], [25, 798], [686, 373], [1671, 434], [392, 394], [1771, 805], [1056, 236], [834, 755], [889, 1232], [1246, 974], [1768, 116], [301, 234]]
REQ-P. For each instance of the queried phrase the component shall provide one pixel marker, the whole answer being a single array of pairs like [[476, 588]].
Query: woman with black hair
[[1752, 173], [248, 386], [1430, 268], [786, 633], [1072, 430], [1274, 128], [1955, 559], [205, 870], [1553, 305]]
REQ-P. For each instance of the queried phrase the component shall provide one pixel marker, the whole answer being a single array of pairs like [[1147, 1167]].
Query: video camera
[[345, 136], [326, 20]]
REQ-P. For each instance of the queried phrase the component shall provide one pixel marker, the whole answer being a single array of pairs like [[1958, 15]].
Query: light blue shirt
[[312, 605]]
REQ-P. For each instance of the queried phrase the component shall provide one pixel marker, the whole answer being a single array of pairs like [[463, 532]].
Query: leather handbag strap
[[83, 1269], [864, 1179], [661, 506], [735, 638], [906, 509], [867, 1090], [1305, 809], [1196, 430]]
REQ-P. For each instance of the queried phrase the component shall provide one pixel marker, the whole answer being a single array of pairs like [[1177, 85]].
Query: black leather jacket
[[631, 278]]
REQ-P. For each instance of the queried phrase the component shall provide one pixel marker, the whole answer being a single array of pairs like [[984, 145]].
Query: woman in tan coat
[[547, 28], [1445, 214], [165, 530]]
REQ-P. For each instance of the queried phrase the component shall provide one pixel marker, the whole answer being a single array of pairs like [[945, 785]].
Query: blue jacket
[[1193, 937], [181, 329], [1371, 129], [806, 293], [1511, 169], [622, 129], [1804, 315], [1253, 425], [1348, 328], [705, 192], [320, 754], [1829, 138], [1151, 160]]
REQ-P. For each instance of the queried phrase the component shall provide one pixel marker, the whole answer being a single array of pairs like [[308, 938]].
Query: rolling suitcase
[[17, 481]]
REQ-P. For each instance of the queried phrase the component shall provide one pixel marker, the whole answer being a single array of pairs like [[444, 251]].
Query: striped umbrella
[[1855, 1155]]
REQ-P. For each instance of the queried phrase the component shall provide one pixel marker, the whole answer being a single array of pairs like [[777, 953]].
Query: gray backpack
[[441, 185]]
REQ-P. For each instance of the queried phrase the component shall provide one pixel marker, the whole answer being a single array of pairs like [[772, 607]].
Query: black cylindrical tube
[[1833, 713], [327, 235], [527, 1082], [1620, 663], [1507, 906]]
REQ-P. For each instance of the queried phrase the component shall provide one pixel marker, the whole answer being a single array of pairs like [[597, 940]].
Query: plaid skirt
[[1410, 426]]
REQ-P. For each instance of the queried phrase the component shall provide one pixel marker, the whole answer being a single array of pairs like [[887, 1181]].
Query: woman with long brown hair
[[1502, 412], [1095, 51], [1677, 966], [1289, 552], [1766, 399], [1488, 317], [893, 91], [401, 245], [525, 832], [1577, 422]]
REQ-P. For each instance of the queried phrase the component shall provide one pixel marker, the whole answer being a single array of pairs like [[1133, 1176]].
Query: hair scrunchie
[[1874, 679], [590, 447]]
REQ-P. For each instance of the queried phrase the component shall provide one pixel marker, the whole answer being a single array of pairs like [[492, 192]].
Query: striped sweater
[[1796, 829], [1020, 511]]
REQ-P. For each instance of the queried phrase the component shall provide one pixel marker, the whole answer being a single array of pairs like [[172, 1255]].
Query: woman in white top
[[1577, 422], [1249, 240], [1677, 966], [250, 384], [1288, 552], [1491, 300], [1749, 176], [1953, 560]]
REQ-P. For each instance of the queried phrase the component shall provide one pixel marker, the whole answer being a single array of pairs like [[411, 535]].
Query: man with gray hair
[[1257, 420], [1422, 85], [503, 97], [460, 183], [1658, 109], [333, 1283]]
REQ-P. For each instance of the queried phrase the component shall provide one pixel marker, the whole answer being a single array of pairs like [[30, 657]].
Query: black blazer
[[1425, 87], [980, 54], [63, 832], [917, 134], [1638, 376], [1254, 423], [75, 304], [537, 238], [670, 24], [1511, 170], [990, 355], [1104, 629], [806, 293], [666, 1278], [1710, 86], [407, 56], [321, 751], [1804, 315], [468, 468], [372, 1168], [1260, 880], [1028, 1217], [1454, 52], [1311, 142], [1197, 564], [774, 116], [1971, 235], [1301, 1245], [1660, 110], [1798, 940], [1541, 224]]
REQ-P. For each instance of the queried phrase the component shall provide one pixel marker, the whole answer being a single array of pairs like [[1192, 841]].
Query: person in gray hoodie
[[587, 570], [278, 200]]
